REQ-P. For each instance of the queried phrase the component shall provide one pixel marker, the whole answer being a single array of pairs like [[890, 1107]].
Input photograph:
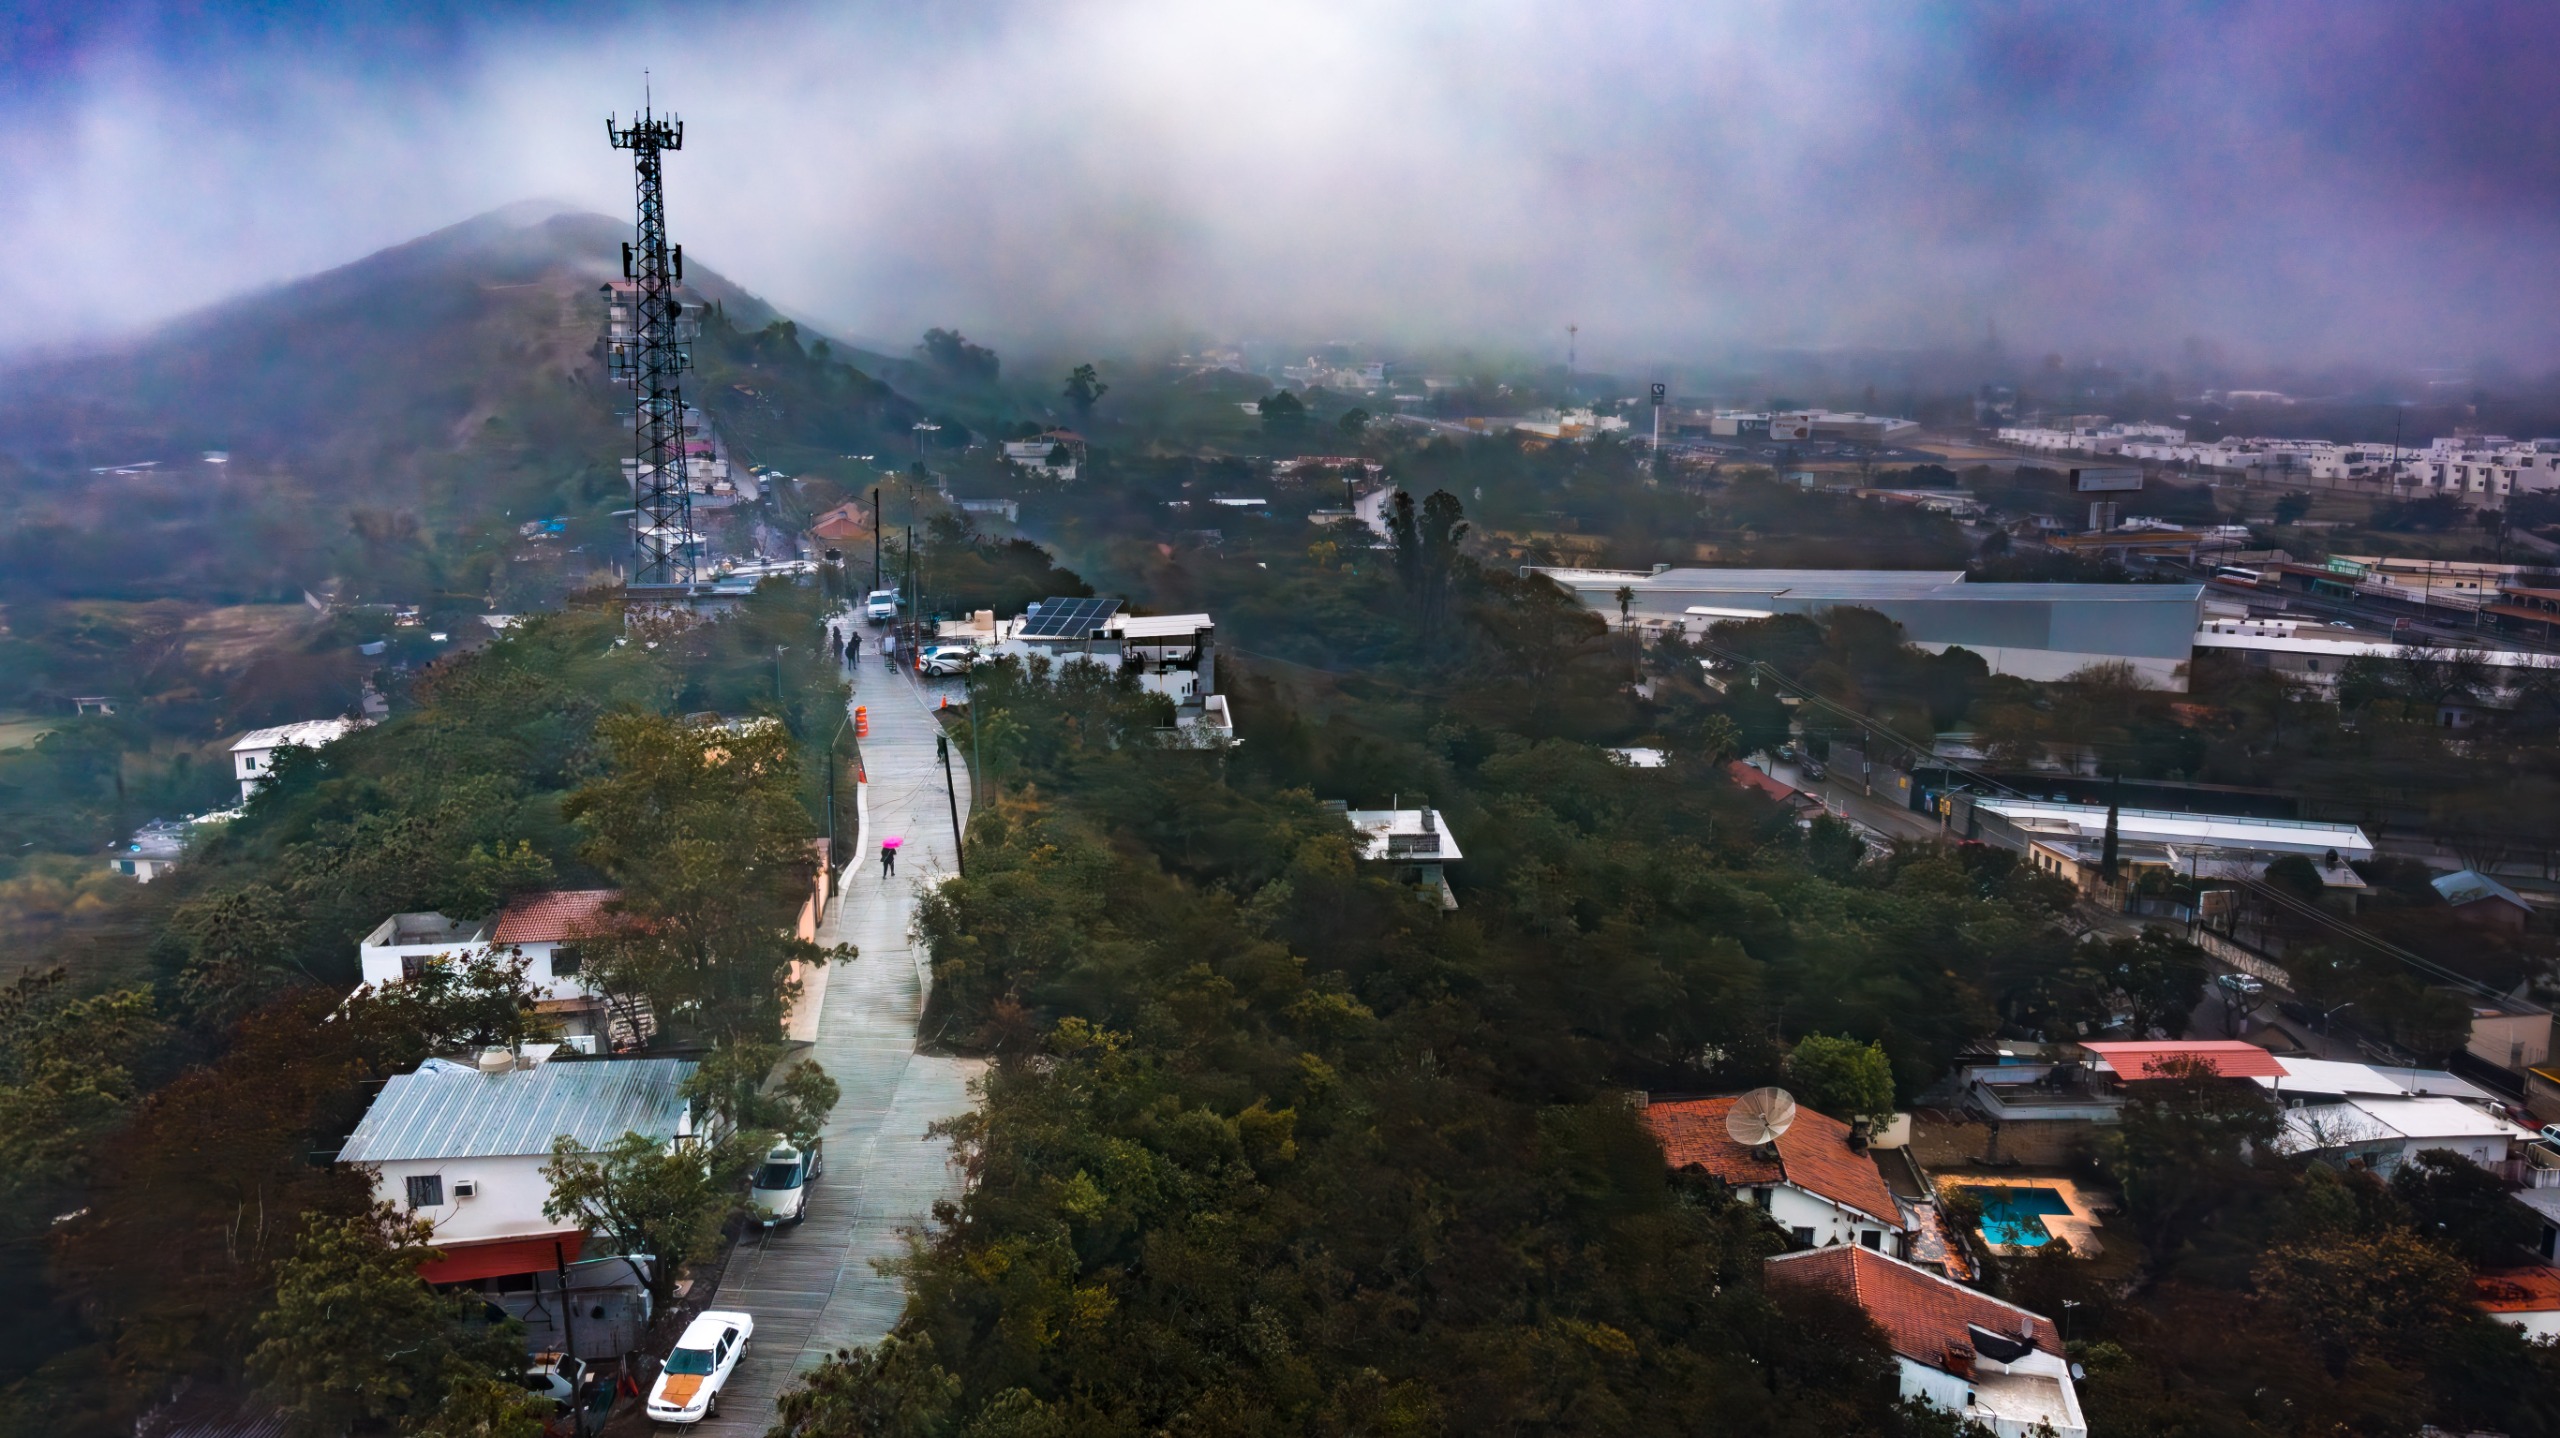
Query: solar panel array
[[1067, 618]]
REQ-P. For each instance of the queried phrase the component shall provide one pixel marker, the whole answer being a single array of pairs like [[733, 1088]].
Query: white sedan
[[688, 1387]]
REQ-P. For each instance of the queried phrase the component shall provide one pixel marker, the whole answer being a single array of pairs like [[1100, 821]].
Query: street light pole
[[951, 793]]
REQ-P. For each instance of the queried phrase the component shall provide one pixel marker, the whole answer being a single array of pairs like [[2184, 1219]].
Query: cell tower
[[645, 349]]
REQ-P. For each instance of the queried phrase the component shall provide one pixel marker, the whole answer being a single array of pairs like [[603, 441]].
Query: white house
[[1985, 1361], [253, 754], [463, 1148], [1037, 453], [544, 928], [154, 849], [1818, 1181], [2387, 1132], [402, 946], [1415, 842]]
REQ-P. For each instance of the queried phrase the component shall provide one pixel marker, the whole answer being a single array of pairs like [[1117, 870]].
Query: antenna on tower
[[1572, 345], [1758, 1117], [645, 349]]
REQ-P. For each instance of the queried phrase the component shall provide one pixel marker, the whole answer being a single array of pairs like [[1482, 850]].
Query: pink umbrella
[[891, 843]]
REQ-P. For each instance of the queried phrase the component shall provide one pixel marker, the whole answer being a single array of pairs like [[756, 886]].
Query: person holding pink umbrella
[[889, 856]]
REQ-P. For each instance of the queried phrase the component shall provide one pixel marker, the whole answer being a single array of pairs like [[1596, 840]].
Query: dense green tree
[[650, 1197], [1842, 1077], [2160, 975], [1085, 389], [737, 1084], [2183, 1150], [2464, 1207], [355, 1339], [704, 829], [1284, 415]]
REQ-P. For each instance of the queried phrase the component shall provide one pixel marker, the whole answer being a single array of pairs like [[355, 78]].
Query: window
[[1803, 1237], [426, 1190], [1872, 1238], [249, 761], [565, 961]]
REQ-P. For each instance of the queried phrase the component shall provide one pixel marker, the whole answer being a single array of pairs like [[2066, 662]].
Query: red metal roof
[[553, 915], [1922, 1315], [1750, 778], [498, 1257], [1813, 1154], [2518, 1290], [2228, 1058]]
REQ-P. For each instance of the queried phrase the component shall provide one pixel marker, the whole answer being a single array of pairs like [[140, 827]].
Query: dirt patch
[[232, 636]]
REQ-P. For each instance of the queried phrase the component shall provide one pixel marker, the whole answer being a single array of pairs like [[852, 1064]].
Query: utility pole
[[951, 792], [569, 1338], [878, 522], [1659, 394], [648, 353]]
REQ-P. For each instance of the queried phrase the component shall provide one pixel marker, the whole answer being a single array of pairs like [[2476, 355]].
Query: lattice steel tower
[[645, 349]]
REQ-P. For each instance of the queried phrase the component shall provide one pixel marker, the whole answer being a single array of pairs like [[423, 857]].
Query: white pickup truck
[[880, 606]]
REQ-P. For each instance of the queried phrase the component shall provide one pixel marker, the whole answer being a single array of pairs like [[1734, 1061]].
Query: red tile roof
[[2228, 1058], [553, 915], [2518, 1290], [1922, 1315], [1813, 1154]]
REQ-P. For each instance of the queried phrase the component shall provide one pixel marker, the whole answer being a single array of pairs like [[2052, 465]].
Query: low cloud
[[2329, 180]]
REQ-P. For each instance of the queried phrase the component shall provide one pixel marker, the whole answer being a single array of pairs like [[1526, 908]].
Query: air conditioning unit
[[466, 1188]]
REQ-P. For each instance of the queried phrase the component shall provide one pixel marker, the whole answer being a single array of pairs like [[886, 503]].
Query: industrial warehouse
[[2031, 631]]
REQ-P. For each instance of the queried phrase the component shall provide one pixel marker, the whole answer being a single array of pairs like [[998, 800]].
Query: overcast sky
[[2311, 180]]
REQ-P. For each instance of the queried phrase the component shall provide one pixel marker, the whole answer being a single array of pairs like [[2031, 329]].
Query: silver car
[[780, 1191]]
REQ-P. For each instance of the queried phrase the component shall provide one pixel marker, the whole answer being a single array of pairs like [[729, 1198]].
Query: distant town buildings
[[1802, 426], [2481, 468]]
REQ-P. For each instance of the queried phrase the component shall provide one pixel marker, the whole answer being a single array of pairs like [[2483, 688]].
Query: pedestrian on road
[[888, 860]]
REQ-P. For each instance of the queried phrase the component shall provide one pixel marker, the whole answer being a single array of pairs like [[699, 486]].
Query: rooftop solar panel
[[1067, 618]]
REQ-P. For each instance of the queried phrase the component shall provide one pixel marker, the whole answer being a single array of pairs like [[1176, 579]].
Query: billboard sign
[[2105, 481]]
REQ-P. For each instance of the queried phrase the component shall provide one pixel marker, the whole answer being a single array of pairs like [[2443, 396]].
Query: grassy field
[[18, 730]]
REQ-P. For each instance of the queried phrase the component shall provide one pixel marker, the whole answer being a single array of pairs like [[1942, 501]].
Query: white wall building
[[463, 1147], [1984, 1360], [2387, 1132], [253, 754]]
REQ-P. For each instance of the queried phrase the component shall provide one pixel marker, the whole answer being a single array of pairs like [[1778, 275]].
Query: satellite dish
[[1758, 1117]]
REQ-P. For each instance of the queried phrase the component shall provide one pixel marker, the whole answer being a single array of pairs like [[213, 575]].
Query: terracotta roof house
[[1986, 1361], [553, 916], [1761, 782], [847, 521], [1815, 1181]]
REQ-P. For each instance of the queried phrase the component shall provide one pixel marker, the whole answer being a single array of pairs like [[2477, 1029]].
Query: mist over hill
[[384, 418]]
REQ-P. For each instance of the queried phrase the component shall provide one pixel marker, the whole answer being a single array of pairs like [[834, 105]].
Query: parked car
[[688, 1386], [2249, 985], [557, 1377], [781, 1188], [1810, 768], [880, 606], [2551, 1134], [948, 661]]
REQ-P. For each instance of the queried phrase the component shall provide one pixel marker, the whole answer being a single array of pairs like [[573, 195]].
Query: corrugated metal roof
[[445, 1112]]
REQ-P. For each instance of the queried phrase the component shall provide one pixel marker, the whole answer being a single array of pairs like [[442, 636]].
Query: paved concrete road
[[813, 1287]]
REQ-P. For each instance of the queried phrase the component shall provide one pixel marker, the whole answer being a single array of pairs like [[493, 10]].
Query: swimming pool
[[2015, 1216]]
